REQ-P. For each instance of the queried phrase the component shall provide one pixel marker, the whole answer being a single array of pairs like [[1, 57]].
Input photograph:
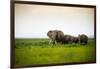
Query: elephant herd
[[57, 36]]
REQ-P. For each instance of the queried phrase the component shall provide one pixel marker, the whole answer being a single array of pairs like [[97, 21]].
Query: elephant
[[66, 39], [55, 36], [74, 39], [83, 39], [70, 39]]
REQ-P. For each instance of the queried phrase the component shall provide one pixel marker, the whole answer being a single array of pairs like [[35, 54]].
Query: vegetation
[[39, 51]]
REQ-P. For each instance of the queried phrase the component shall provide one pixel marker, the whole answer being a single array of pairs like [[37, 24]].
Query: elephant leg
[[55, 42], [50, 41]]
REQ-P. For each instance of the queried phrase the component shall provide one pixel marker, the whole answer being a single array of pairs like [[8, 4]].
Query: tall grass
[[39, 51]]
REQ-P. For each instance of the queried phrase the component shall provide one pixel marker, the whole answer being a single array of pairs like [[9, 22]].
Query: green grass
[[38, 51]]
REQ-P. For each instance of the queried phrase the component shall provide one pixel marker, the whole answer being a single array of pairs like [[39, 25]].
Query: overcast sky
[[34, 21]]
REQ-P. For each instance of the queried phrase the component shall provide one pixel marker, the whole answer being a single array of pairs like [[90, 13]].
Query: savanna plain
[[38, 51]]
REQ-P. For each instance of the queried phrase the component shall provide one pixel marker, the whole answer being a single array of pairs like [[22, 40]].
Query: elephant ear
[[60, 34]]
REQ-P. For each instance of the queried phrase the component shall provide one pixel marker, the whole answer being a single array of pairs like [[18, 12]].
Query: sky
[[34, 21]]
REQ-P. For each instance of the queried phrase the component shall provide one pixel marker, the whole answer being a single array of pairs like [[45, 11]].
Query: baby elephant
[[74, 39], [83, 39], [70, 39]]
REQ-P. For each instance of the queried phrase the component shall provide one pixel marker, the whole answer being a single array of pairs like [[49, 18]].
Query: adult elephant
[[55, 36], [83, 39]]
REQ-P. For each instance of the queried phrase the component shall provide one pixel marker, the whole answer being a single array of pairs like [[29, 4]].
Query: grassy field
[[38, 51]]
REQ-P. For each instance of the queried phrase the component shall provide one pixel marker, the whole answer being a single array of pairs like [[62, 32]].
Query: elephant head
[[52, 35]]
